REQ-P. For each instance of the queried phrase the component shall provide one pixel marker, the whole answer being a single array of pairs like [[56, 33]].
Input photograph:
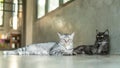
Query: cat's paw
[[5, 52]]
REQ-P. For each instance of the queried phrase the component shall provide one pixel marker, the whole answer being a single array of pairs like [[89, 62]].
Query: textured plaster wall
[[107, 16], [82, 17]]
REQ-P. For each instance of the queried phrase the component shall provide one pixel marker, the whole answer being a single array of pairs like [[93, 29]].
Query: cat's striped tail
[[9, 52]]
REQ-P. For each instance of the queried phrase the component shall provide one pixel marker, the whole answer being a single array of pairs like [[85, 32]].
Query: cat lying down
[[63, 47], [101, 46], [84, 49]]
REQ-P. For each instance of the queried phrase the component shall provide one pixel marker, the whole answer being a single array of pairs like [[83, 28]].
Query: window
[[1, 12], [41, 8], [1, 18], [15, 13], [65, 1], [45, 6], [10, 10], [53, 4]]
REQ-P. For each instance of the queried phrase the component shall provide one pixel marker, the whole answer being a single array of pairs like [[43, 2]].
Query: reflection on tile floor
[[60, 61]]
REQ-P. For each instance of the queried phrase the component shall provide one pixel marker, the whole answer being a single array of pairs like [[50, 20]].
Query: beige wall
[[30, 18], [82, 17]]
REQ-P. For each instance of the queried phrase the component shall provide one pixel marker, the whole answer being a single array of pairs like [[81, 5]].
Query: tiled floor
[[60, 61]]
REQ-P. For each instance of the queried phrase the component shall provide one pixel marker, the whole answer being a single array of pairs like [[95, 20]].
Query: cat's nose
[[65, 40]]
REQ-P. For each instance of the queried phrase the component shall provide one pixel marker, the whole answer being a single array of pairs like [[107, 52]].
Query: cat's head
[[66, 40], [102, 35]]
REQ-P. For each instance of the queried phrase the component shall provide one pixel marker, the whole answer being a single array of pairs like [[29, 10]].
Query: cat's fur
[[101, 45], [84, 49], [64, 46], [102, 42]]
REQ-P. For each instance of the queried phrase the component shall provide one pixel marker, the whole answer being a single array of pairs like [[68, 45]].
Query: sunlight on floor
[[82, 61]]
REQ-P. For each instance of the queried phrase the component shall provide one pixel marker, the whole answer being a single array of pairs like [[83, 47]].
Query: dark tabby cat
[[102, 42], [84, 49], [101, 45]]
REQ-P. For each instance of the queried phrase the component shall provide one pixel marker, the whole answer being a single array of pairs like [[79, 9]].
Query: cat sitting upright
[[102, 42], [101, 46], [63, 47]]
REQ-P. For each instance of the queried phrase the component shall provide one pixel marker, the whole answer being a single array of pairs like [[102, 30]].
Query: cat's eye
[[97, 36], [69, 40], [65, 40], [102, 36]]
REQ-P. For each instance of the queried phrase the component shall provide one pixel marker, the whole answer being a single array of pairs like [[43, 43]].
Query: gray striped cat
[[63, 47]]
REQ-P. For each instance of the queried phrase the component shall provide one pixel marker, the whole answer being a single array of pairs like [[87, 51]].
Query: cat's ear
[[59, 34], [72, 35], [97, 31], [106, 31]]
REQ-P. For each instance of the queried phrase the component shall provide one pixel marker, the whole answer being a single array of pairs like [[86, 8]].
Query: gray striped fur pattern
[[63, 47]]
